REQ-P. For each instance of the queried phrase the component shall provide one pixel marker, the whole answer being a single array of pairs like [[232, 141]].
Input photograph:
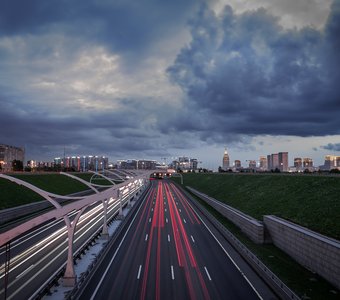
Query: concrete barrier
[[316, 252], [253, 228]]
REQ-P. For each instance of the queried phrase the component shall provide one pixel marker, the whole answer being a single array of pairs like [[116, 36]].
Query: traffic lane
[[220, 274], [188, 277], [137, 277], [36, 236], [256, 281], [124, 272], [35, 240], [29, 275], [188, 266]]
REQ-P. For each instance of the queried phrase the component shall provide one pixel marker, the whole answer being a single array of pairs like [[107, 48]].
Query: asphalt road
[[167, 252]]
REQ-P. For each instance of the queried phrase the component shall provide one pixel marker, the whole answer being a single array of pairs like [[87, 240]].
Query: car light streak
[[43, 244], [188, 250], [185, 204], [29, 268], [231, 259], [120, 244]]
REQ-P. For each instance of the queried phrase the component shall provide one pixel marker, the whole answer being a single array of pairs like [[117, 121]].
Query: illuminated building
[[331, 162], [307, 163], [278, 161], [298, 163], [225, 160], [8, 154], [252, 164], [83, 163], [237, 164], [263, 163]]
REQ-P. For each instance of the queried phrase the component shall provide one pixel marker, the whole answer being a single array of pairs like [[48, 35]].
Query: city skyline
[[150, 80]]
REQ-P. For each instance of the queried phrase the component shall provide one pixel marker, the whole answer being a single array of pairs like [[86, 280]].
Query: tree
[[17, 165]]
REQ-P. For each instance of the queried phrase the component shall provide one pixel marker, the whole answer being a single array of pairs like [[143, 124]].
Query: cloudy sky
[[152, 79]]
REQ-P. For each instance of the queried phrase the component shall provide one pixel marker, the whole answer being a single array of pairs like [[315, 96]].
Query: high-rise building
[[338, 162], [8, 154], [83, 163], [263, 163], [331, 162], [278, 161], [283, 161], [237, 164], [184, 163], [252, 164], [298, 163], [307, 163], [225, 160]]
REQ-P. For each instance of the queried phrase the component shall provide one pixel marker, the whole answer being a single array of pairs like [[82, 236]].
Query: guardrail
[[87, 275], [279, 287], [53, 280]]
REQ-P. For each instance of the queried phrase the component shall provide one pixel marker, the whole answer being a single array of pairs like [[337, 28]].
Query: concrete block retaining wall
[[316, 252], [250, 226]]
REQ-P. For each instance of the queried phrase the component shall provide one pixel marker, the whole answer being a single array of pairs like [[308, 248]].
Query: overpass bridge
[[130, 184]]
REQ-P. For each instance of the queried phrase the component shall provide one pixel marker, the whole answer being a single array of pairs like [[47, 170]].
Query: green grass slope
[[12, 195], [54, 183], [311, 201]]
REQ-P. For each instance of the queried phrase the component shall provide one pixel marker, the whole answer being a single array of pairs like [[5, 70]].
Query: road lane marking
[[206, 271], [179, 210], [114, 256], [23, 273], [226, 252], [146, 237], [192, 239], [184, 221], [166, 220], [151, 209], [150, 220], [139, 270], [172, 272], [165, 209], [168, 238]]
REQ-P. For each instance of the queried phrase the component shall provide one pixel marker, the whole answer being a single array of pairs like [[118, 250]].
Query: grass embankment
[[311, 201], [305, 283], [12, 194]]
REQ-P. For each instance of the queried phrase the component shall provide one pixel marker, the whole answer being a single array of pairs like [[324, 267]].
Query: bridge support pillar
[[120, 214], [129, 196], [105, 232], [70, 277]]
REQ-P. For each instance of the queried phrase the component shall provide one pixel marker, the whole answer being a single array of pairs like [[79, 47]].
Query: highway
[[38, 254], [169, 252]]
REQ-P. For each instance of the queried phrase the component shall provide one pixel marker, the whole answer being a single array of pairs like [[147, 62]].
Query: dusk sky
[[152, 79]]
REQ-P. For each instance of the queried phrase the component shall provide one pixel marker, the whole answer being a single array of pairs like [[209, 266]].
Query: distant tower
[[225, 161]]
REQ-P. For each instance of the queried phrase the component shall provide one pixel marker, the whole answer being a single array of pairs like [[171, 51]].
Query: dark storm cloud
[[118, 131], [128, 27], [332, 147], [245, 74]]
